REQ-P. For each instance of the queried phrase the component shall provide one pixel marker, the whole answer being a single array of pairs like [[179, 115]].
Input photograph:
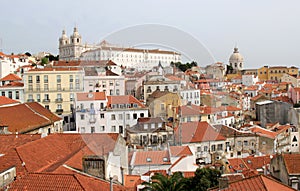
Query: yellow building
[[262, 73], [54, 88], [276, 73], [163, 104]]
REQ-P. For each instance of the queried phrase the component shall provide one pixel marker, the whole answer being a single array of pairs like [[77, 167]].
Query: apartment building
[[54, 88]]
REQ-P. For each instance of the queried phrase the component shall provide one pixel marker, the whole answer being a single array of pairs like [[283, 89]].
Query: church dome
[[236, 57]]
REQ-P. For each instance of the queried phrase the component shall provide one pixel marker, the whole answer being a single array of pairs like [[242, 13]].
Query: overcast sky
[[266, 32]]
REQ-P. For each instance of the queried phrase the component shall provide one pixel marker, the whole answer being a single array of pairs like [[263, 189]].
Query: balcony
[[92, 120], [59, 111], [46, 100], [59, 100], [30, 100]]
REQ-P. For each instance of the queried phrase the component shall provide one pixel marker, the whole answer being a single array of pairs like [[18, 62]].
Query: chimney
[[223, 183], [94, 165]]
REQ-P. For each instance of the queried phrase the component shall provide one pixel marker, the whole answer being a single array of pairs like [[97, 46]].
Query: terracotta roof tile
[[7, 101], [64, 148], [259, 182], [11, 77], [123, 99], [13, 84], [47, 181], [292, 163], [26, 117], [91, 96], [152, 157], [180, 150], [194, 132]]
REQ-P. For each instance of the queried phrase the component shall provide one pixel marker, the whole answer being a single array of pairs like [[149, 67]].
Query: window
[[29, 79], [92, 129], [3, 93], [71, 86], [71, 96], [213, 148], [220, 147], [198, 149], [17, 95], [113, 117], [134, 116], [10, 94], [38, 97], [46, 87], [47, 107], [38, 87], [58, 78], [37, 79], [121, 129], [45, 78], [82, 116], [30, 88], [205, 148], [162, 107], [77, 86], [71, 78], [59, 106], [117, 92], [102, 115], [59, 87], [127, 116], [102, 128], [246, 143], [120, 116], [82, 129], [113, 128]]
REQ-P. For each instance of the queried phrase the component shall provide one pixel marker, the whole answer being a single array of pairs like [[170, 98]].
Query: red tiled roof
[[46, 181], [263, 132], [26, 117], [180, 151], [292, 163], [156, 158], [64, 149], [13, 84], [91, 96], [190, 110], [259, 182], [123, 99], [10, 141], [131, 182], [11, 77], [7, 101], [194, 132]]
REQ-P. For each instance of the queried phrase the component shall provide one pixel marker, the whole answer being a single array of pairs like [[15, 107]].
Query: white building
[[12, 87], [190, 96], [71, 48], [249, 79], [98, 113], [99, 79], [10, 63]]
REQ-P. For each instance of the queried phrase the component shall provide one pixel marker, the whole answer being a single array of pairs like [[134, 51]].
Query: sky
[[266, 32]]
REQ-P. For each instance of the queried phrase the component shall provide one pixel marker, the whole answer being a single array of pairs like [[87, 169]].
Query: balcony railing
[[59, 111], [46, 100], [59, 100], [92, 120]]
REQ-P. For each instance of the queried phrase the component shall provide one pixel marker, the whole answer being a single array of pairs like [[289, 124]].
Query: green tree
[[204, 178], [44, 61], [159, 182]]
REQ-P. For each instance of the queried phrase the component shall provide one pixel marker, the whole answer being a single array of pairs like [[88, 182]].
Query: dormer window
[[148, 159]]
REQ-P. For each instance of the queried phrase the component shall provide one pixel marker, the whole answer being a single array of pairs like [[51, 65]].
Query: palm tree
[[159, 182]]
